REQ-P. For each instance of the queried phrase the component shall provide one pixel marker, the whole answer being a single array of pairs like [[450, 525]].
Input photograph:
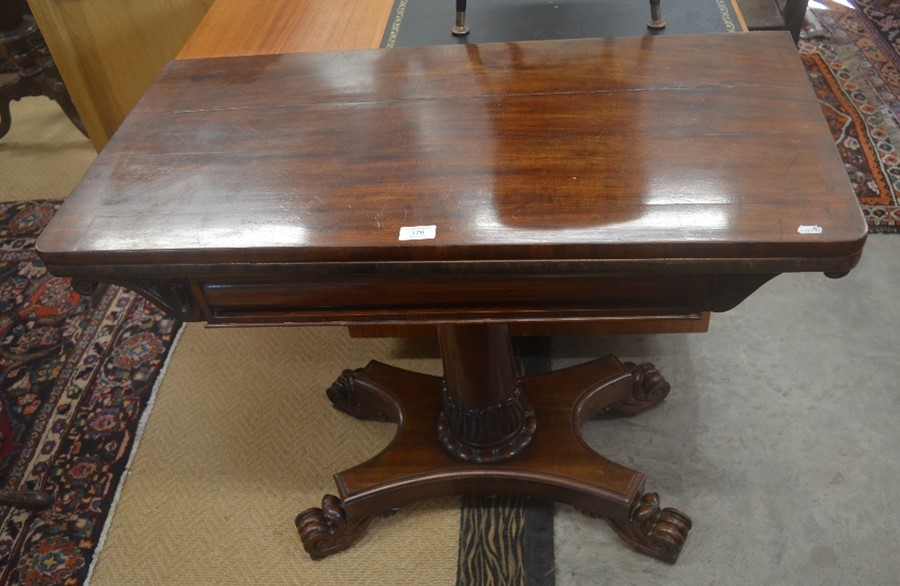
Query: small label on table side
[[809, 229], [418, 232]]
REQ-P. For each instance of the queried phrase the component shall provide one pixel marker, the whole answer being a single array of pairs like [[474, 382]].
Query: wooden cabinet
[[275, 27], [110, 52], [762, 15]]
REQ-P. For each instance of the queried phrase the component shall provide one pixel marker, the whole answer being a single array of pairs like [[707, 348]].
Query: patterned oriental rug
[[76, 375], [852, 54]]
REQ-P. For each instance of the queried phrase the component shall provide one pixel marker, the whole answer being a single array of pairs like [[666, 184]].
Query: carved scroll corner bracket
[[84, 287], [171, 295], [724, 292], [648, 391]]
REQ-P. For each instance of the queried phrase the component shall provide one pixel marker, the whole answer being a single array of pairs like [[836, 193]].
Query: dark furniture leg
[[497, 433], [793, 12], [32, 500], [34, 72], [656, 21], [460, 29]]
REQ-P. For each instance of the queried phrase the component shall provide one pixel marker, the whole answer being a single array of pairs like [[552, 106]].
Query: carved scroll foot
[[344, 395], [659, 533], [327, 530], [649, 390]]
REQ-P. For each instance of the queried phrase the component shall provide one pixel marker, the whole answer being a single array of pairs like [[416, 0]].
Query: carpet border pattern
[[854, 66], [76, 375]]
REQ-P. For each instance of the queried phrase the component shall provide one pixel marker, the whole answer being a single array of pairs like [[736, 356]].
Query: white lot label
[[810, 229], [418, 232]]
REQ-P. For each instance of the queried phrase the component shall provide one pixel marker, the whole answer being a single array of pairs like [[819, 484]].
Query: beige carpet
[[241, 437], [43, 156]]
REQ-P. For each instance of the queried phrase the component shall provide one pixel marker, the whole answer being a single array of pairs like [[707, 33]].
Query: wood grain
[[109, 53], [238, 27], [669, 182], [707, 151]]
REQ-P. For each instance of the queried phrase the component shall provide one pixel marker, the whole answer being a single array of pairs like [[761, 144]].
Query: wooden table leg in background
[[35, 73], [482, 429]]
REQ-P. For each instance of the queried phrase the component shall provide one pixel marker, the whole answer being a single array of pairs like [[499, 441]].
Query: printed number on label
[[418, 232]]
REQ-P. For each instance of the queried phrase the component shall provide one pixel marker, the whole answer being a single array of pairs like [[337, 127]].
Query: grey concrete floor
[[780, 438]]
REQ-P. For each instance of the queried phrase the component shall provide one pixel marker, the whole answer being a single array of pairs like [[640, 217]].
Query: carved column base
[[514, 415]]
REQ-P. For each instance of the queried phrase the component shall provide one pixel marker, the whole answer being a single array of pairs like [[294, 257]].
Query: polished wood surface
[[110, 52], [239, 27], [695, 324], [523, 152], [556, 465], [676, 178]]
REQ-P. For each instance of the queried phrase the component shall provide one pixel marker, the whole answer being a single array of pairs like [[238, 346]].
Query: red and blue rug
[[76, 376], [852, 54]]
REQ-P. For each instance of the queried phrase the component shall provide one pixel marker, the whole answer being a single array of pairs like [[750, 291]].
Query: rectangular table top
[[665, 149]]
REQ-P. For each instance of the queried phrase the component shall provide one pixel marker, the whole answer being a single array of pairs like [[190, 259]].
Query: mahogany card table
[[471, 187]]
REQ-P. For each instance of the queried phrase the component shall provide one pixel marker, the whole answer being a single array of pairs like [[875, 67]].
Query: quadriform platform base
[[471, 188], [526, 443]]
